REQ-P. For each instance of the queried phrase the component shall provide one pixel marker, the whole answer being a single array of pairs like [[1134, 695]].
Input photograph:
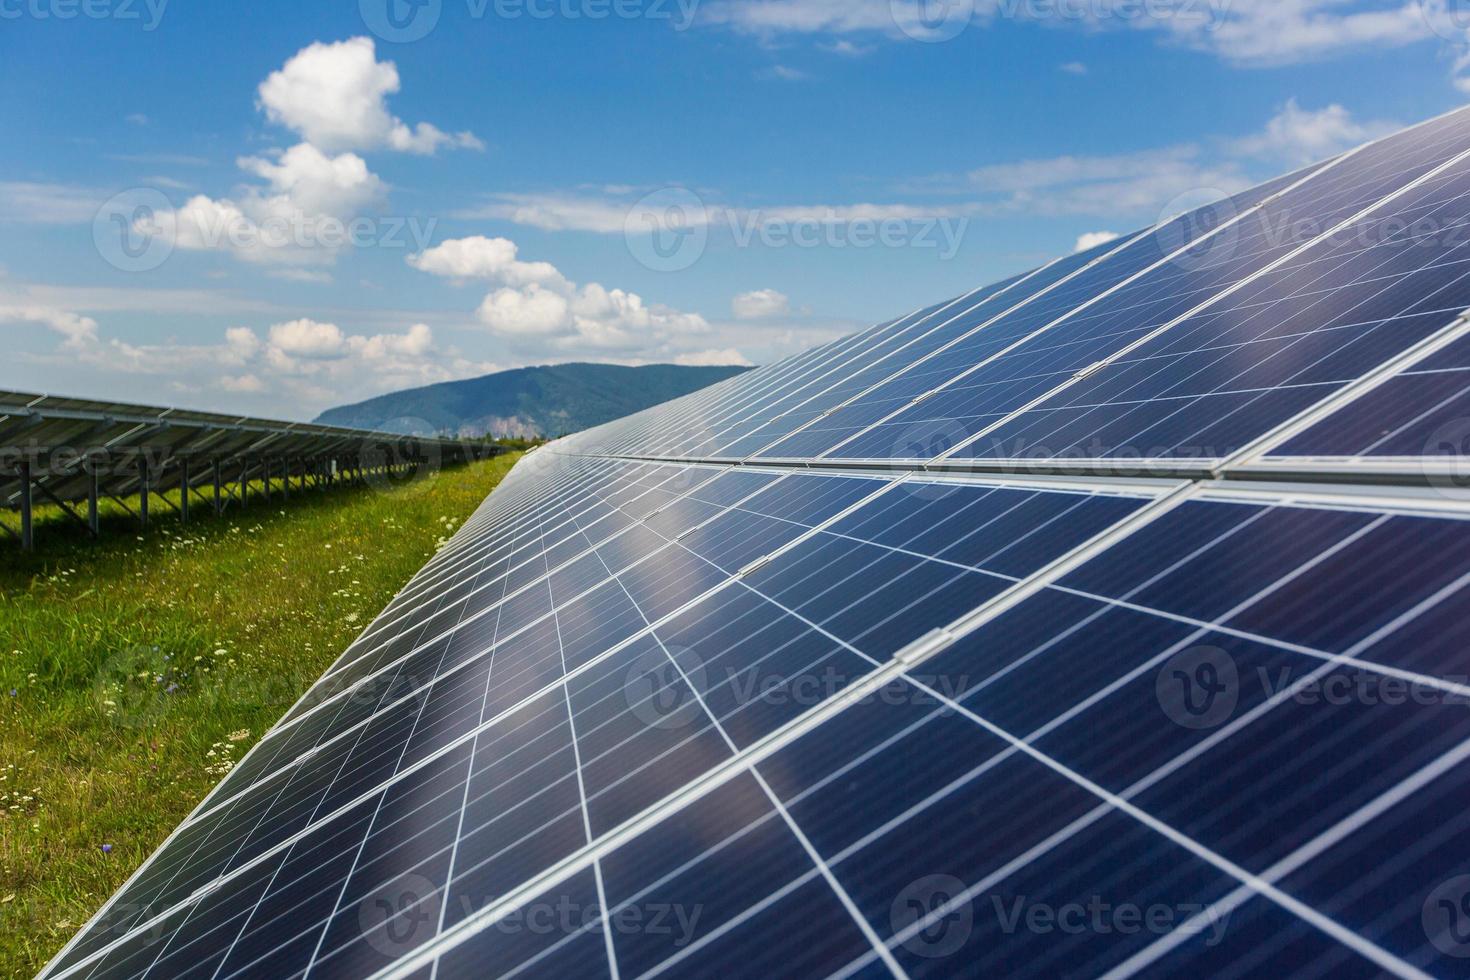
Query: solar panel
[[1108, 620]]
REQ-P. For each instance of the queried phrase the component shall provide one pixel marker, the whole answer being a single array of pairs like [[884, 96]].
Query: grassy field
[[137, 668]]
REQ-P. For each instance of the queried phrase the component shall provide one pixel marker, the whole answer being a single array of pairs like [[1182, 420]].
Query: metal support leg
[[286, 479], [219, 506], [27, 531], [94, 524], [143, 491], [184, 491], [265, 478]]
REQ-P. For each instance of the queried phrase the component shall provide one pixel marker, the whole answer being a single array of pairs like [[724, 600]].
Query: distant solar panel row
[[826, 713], [68, 443]]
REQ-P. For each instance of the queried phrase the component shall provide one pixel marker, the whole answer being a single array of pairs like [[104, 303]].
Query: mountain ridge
[[547, 400]]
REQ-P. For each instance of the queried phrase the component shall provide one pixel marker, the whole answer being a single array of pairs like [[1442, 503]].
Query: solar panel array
[[68, 441], [1108, 620]]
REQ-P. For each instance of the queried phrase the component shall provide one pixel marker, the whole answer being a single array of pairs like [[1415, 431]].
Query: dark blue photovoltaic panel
[[1232, 374], [644, 718], [988, 394], [1420, 412], [1058, 288], [920, 335], [942, 328], [699, 440]]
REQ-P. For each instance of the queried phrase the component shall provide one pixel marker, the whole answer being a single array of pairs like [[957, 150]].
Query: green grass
[[135, 669]]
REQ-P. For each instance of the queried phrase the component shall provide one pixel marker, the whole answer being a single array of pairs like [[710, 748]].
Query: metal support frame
[[94, 521], [143, 491], [27, 529], [184, 490], [219, 504]]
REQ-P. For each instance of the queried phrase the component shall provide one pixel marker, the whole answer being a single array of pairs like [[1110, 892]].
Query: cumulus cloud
[[335, 97], [760, 303], [533, 301], [308, 338], [1299, 136], [302, 362], [525, 312], [300, 215], [1092, 239], [77, 331], [301, 210], [479, 257]]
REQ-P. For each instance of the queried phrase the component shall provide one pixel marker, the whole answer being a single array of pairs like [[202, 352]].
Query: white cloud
[[609, 215], [556, 212], [308, 338], [1249, 33], [242, 383], [1126, 184], [803, 16], [760, 303], [47, 204], [1299, 136], [315, 183], [525, 312], [1278, 32], [479, 257], [1074, 68], [1093, 239], [536, 303], [77, 331], [713, 358], [299, 216], [335, 96], [781, 73], [848, 49], [301, 275]]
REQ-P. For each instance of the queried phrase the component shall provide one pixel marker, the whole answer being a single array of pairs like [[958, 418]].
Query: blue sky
[[274, 207]]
